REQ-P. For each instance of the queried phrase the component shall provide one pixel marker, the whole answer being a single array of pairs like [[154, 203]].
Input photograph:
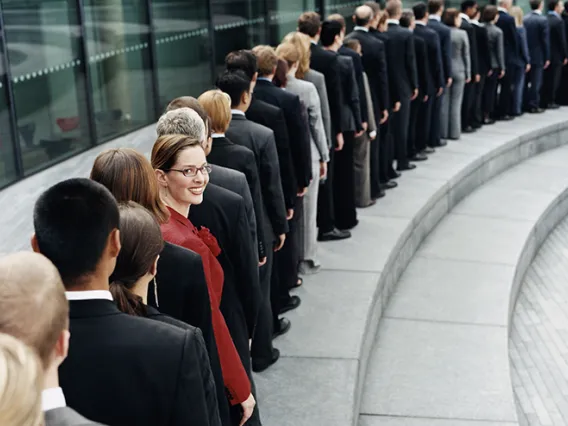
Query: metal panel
[[153, 60]]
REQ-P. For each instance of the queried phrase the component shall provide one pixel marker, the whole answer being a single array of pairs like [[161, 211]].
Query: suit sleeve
[[361, 86], [333, 83], [383, 82], [473, 52], [466, 57], [411, 63], [545, 40], [287, 175], [300, 146], [251, 173], [272, 188], [484, 49], [564, 43], [316, 124], [326, 115], [207, 379], [513, 37], [354, 103], [249, 207], [438, 73], [422, 67]]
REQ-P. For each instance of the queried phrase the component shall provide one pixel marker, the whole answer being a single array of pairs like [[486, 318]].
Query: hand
[[477, 78], [289, 214], [365, 126], [340, 142], [528, 68], [450, 81], [281, 238], [373, 135], [359, 133], [248, 408], [489, 73], [425, 99], [323, 169], [385, 117], [440, 91], [303, 191], [397, 106], [546, 64], [502, 74], [565, 61], [414, 94], [262, 261], [468, 80]]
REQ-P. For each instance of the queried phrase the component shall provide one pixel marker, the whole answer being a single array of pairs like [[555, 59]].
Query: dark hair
[[234, 83], [73, 220], [309, 23], [490, 12], [535, 4], [552, 5], [434, 6], [406, 18], [449, 17], [243, 60], [420, 10], [393, 8], [467, 4], [142, 242], [329, 30], [281, 76], [339, 18]]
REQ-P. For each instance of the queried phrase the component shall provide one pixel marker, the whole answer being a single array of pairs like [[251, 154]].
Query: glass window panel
[[117, 34], [345, 9], [43, 42], [239, 24], [284, 16], [183, 50], [7, 159]]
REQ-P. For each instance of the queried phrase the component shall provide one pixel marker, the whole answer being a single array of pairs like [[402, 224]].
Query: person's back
[[460, 54], [537, 35], [495, 36]]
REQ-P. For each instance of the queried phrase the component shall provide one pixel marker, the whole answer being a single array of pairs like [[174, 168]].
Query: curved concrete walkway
[[538, 343]]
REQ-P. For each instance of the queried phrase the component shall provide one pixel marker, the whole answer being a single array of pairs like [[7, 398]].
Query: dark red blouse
[[180, 231]]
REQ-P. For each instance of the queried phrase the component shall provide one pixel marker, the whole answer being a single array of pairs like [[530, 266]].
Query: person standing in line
[[517, 13], [468, 9], [489, 18], [538, 37], [484, 68], [461, 69], [558, 56]]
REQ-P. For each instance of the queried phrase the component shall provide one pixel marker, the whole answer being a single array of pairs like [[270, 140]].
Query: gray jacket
[[371, 112], [496, 46], [461, 61], [308, 94], [66, 416], [318, 80]]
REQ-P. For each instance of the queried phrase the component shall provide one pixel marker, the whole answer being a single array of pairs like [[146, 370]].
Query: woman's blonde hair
[[21, 383], [517, 13], [302, 43], [217, 104]]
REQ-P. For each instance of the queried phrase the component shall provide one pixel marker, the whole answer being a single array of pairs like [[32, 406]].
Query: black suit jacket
[[435, 75], [471, 36], [402, 61], [538, 38], [226, 154], [511, 40], [206, 376], [183, 294], [558, 50], [260, 140], [300, 146], [445, 46], [375, 65], [326, 63], [358, 68], [223, 213], [272, 117], [351, 112], [422, 68], [124, 370], [483, 49]]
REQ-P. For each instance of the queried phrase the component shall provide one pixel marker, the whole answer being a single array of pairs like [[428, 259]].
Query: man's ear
[[34, 243], [114, 243], [62, 346]]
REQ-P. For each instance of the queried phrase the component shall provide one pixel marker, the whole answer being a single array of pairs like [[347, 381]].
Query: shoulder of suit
[[67, 416]]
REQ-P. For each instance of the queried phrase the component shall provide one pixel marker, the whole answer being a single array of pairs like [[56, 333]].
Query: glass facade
[[77, 73]]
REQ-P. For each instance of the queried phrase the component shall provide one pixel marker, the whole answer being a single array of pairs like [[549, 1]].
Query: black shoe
[[388, 185], [440, 144], [418, 157], [506, 118], [334, 235], [284, 325], [394, 175], [468, 129], [260, 366], [536, 110], [476, 126], [488, 121], [375, 197], [552, 106], [405, 167], [293, 303], [428, 150]]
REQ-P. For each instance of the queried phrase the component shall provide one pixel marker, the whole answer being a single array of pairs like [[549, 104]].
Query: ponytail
[[127, 302]]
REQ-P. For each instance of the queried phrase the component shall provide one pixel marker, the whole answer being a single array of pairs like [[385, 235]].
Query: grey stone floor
[[539, 340]]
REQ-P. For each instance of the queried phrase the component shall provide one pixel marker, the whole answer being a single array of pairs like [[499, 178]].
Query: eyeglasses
[[191, 171]]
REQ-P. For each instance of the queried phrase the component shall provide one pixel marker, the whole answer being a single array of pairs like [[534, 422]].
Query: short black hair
[[420, 10], [243, 60], [406, 18], [535, 4], [329, 30], [552, 4], [234, 83], [467, 4], [434, 6], [73, 220]]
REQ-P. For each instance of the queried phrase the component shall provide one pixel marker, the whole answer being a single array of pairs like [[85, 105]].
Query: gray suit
[[461, 71], [308, 94], [496, 46], [318, 80], [361, 154], [66, 416]]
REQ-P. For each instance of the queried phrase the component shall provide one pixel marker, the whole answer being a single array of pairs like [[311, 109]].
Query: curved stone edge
[[476, 173]]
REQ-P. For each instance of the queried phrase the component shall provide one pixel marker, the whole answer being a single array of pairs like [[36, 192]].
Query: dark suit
[[416, 141], [563, 89], [538, 37], [260, 140], [183, 294], [446, 64], [435, 80], [470, 88], [375, 66], [401, 57], [272, 117], [65, 416], [125, 370], [558, 52], [358, 68], [483, 67], [507, 24]]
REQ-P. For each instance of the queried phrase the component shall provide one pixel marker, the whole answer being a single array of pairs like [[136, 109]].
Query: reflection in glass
[[49, 85], [183, 48], [239, 24], [284, 14], [345, 9], [120, 67], [7, 160]]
